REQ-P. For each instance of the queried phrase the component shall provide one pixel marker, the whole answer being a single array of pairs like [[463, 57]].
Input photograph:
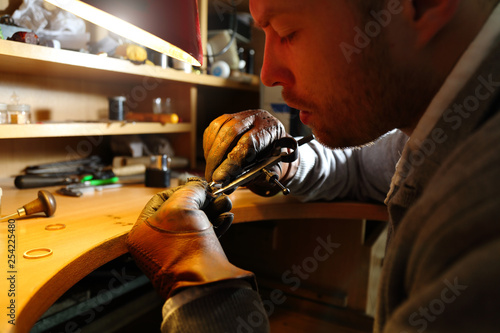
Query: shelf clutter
[[34, 59]]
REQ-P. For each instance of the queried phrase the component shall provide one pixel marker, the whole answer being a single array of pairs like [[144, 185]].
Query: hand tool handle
[[71, 166], [33, 181], [44, 203]]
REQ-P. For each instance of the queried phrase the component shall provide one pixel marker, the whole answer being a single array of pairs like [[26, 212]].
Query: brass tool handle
[[44, 203]]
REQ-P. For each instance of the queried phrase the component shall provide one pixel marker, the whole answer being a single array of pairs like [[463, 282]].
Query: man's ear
[[430, 17]]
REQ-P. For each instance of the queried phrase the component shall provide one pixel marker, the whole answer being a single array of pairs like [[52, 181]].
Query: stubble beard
[[384, 96]]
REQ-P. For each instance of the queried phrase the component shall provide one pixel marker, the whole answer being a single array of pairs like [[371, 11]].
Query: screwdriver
[[45, 203]]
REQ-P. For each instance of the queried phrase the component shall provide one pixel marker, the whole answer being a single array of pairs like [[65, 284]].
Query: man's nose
[[275, 68]]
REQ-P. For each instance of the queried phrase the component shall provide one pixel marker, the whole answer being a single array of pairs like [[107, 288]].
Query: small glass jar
[[162, 105], [4, 118], [19, 113]]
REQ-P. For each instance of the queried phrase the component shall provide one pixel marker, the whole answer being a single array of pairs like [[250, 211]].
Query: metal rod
[[8, 217]]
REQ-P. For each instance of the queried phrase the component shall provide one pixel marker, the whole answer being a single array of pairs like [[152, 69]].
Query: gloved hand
[[233, 141], [175, 244]]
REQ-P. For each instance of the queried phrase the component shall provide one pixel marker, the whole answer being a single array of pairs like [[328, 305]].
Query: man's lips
[[297, 103]]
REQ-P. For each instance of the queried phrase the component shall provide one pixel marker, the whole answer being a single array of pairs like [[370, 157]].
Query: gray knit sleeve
[[229, 306], [362, 174]]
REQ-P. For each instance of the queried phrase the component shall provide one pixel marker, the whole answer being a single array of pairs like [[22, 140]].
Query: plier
[[87, 181]]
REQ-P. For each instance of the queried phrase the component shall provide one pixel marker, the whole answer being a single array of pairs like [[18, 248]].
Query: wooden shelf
[[23, 58], [49, 130]]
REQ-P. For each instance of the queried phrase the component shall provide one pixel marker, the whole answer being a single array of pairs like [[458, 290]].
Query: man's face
[[347, 98]]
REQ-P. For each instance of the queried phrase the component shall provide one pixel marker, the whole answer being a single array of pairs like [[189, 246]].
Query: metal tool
[[84, 171], [89, 185], [77, 190], [262, 167], [32, 181], [45, 203]]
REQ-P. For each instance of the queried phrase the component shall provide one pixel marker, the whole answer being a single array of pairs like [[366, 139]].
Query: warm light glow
[[123, 28]]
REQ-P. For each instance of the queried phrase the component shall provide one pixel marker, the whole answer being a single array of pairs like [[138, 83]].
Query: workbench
[[94, 232]]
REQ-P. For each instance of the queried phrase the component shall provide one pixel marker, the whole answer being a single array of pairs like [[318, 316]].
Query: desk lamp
[[150, 23]]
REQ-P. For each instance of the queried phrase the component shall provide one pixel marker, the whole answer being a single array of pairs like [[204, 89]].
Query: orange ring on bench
[[57, 226], [47, 253]]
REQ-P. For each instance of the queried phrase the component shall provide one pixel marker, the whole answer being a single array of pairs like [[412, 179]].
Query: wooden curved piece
[[96, 227]]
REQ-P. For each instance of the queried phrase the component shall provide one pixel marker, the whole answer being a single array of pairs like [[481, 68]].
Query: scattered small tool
[[77, 190], [83, 172], [45, 203]]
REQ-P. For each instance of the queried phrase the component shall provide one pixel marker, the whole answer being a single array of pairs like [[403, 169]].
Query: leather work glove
[[233, 141], [174, 243]]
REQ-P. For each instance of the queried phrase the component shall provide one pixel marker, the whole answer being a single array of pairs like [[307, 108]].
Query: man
[[358, 70]]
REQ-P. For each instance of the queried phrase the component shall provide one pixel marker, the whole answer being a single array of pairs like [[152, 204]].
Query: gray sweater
[[442, 266]]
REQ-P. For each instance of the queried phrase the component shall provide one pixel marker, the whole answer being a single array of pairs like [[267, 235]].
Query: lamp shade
[[167, 26]]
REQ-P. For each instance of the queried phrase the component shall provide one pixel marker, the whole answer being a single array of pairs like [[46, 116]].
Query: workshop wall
[[10, 6]]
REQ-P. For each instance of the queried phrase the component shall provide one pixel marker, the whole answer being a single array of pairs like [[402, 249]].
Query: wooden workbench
[[94, 234]]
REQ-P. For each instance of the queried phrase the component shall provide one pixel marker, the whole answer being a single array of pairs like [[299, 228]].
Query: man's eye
[[288, 38]]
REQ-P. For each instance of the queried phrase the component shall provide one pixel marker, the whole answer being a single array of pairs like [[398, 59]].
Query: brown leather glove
[[175, 244], [233, 141]]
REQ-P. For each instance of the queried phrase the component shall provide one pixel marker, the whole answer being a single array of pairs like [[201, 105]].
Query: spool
[[117, 108], [221, 69]]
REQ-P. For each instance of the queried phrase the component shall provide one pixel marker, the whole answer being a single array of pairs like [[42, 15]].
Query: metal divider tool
[[263, 166]]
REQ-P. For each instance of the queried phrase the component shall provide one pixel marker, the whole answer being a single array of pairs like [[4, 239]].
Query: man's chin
[[326, 139], [341, 141]]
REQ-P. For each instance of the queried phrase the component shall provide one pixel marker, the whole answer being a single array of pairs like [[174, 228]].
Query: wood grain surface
[[95, 229]]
